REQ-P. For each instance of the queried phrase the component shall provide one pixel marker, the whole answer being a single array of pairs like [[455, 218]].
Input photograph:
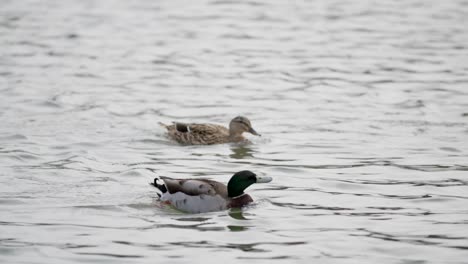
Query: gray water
[[363, 107]]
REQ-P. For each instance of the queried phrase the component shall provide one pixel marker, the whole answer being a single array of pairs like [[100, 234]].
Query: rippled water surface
[[363, 107]]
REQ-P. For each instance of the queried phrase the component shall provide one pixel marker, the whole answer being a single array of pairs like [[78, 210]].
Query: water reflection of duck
[[241, 152], [207, 134], [203, 195]]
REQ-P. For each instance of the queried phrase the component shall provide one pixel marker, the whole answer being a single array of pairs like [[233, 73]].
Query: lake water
[[362, 107]]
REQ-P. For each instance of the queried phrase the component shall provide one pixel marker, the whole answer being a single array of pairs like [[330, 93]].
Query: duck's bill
[[253, 132], [264, 179]]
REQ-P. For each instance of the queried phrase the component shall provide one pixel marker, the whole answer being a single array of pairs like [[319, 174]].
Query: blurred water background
[[363, 108]]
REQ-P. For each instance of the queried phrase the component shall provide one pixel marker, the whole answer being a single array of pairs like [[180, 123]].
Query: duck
[[205, 195], [208, 134]]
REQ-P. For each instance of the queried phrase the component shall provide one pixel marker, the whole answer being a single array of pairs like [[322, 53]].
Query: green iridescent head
[[243, 179]]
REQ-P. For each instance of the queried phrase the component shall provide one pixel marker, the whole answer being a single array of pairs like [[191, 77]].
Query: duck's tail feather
[[161, 187], [182, 127]]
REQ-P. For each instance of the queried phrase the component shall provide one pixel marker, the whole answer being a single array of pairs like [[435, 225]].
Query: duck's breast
[[195, 204], [240, 201]]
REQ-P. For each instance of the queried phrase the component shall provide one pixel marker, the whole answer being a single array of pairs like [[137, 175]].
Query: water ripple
[[361, 107]]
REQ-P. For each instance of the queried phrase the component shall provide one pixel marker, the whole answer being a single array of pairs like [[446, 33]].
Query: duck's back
[[195, 195], [198, 134]]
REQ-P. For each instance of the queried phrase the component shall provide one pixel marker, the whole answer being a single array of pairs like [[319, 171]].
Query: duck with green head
[[203, 195], [208, 134]]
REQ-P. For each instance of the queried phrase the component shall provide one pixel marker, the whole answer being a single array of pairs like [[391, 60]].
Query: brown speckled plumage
[[207, 134]]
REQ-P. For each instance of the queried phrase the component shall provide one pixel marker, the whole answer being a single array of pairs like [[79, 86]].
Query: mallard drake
[[207, 134], [203, 195]]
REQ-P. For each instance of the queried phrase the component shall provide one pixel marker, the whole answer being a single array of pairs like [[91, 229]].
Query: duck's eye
[[252, 178], [243, 123]]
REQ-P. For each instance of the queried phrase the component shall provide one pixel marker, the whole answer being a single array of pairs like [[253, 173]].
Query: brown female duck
[[208, 134]]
